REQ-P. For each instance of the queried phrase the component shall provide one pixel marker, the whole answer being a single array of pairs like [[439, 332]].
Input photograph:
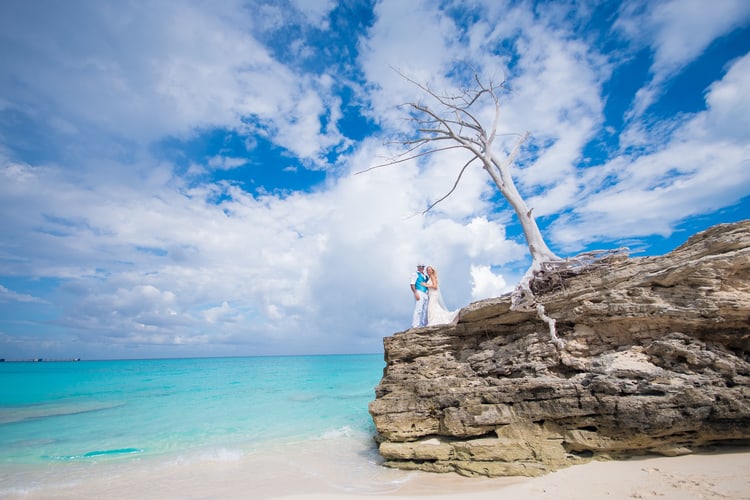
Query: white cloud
[[394, 45], [299, 273], [555, 87], [165, 69], [7, 295], [702, 166], [728, 116], [226, 162], [486, 284], [316, 11], [682, 29], [145, 256], [678, 32], [224, 313]]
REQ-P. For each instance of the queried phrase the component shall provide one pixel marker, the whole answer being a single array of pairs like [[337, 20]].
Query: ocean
[[251, 427]]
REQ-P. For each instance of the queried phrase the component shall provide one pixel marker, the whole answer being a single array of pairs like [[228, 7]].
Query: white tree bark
[[454, 123], [501, 175]]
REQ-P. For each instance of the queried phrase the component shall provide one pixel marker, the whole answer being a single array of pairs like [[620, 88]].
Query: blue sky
[[177, 178]]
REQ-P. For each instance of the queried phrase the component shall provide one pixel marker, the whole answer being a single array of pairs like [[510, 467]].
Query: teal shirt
[[419, 284]]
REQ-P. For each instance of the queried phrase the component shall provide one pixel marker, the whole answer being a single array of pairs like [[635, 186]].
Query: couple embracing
[[429, 308]]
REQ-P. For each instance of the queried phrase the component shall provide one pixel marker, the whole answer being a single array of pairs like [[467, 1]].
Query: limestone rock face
[[656, 359]]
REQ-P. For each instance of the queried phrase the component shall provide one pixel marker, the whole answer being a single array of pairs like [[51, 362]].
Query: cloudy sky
[[177, 178]]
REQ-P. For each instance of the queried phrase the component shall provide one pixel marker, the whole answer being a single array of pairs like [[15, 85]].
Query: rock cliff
[[656, 359]]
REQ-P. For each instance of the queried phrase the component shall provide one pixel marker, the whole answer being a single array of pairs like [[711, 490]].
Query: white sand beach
[[723, 475], [320, 471]]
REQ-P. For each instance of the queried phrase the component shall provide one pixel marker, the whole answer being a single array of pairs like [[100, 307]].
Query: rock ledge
[[656, 360]]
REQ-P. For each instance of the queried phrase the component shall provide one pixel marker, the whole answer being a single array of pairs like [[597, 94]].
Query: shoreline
[[341, 469]]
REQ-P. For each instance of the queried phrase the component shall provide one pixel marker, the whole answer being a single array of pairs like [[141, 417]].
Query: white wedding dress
[[437, 313]]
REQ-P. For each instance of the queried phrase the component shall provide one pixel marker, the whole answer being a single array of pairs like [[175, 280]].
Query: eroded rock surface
[[656, 360]]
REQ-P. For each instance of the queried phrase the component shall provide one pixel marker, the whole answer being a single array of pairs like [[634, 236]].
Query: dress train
[[437, 313]]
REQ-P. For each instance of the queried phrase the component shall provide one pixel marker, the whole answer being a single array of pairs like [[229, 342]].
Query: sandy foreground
[[723, 475], [336, 473]]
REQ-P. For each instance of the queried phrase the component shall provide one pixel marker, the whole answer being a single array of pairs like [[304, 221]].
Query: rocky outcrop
[[656, 359]]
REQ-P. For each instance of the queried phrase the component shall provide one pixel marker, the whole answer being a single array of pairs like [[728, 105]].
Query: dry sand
[[723, 475]]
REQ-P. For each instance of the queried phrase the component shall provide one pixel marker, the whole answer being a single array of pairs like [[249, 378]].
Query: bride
[[437, 313]]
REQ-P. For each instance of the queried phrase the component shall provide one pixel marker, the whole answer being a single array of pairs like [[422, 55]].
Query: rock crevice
[[656, 359]]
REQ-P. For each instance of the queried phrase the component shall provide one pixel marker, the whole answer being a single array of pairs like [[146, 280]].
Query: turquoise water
[[94, 411]]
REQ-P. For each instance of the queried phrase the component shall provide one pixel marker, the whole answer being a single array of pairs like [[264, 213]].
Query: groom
[[419, 289]]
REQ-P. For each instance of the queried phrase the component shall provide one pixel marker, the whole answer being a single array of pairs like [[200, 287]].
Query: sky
[[184, 178]]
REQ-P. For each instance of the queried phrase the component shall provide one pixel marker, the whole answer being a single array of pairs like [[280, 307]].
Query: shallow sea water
[[254, 427]]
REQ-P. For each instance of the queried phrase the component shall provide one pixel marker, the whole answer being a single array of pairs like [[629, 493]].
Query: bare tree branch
[[455, 185], [455, 118], [402, 160]]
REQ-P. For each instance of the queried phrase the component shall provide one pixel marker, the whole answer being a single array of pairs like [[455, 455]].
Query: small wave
[[222, 455], [344, 431], [16, 491], [20, 414]]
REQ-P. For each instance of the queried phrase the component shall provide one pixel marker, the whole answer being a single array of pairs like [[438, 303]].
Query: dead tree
[[453, 123]]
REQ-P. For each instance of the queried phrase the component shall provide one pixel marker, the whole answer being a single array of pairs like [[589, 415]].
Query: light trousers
[[420, 310]]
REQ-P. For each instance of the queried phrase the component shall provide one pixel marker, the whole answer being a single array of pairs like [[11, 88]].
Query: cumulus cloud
[[485, 283], [142, 254]]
